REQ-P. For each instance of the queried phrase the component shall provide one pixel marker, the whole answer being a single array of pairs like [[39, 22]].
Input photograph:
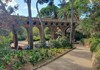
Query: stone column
[[53, 30], [64, 30]]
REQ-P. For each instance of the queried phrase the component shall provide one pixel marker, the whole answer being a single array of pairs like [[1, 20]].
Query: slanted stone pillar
[[53, 30], [42, 36], [64, 30]]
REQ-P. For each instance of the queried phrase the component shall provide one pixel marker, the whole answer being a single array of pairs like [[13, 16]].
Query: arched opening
[[21, 33], [36, 34], [47, 33]]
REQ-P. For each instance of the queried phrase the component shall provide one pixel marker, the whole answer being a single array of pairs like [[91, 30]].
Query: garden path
[[78, 59]]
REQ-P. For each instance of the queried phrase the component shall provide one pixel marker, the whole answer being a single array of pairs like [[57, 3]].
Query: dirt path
[[78, 59]]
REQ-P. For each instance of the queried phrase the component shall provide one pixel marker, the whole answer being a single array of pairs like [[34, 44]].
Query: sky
[[23, 7], [23, 10]]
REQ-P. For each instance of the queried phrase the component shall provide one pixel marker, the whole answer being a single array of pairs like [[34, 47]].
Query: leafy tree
[[89, 25], [8, 12], [49, 11]]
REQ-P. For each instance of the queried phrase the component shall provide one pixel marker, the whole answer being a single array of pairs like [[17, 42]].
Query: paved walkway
[[78, 59]]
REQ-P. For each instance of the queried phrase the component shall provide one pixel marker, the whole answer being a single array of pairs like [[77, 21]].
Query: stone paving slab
[[78, 59]]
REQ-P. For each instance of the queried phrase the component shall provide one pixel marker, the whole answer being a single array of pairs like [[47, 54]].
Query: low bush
[[98, 55], [4, 42], [47, 37], [18, 58], [36, 38], [95, 45], [62, 42]]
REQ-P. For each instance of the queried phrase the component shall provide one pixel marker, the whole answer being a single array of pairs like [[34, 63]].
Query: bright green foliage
[[98, 54], [86, 26], [36, 31], [47, 33], [36, 38], [36, 34], [4, 42], [95, 45], [90, 25]]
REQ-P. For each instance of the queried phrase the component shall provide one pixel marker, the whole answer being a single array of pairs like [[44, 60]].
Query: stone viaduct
[[52, 24]]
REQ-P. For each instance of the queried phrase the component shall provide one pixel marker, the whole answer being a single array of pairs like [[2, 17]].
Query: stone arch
[[17, 35], [22, 33]]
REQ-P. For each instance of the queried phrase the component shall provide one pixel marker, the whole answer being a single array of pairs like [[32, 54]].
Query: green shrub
[[4, 42], [36, 38], [47, 37], [42, 45], [62, 42], [18, 58], [55, 43], [98, 54], [32, 58], [17, 65], [95, 45]]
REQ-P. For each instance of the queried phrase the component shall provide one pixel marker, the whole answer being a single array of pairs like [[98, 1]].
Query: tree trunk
[[55, 14], [42, 28], [71, 24], [30, 24], [65, 16], [15, 40]]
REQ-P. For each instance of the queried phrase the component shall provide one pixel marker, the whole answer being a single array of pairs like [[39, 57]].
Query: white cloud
[[13, 3], [67, 0]]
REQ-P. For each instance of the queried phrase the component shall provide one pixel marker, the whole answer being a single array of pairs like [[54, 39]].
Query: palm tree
[[30, 34], [42, 28], [71, 25]]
